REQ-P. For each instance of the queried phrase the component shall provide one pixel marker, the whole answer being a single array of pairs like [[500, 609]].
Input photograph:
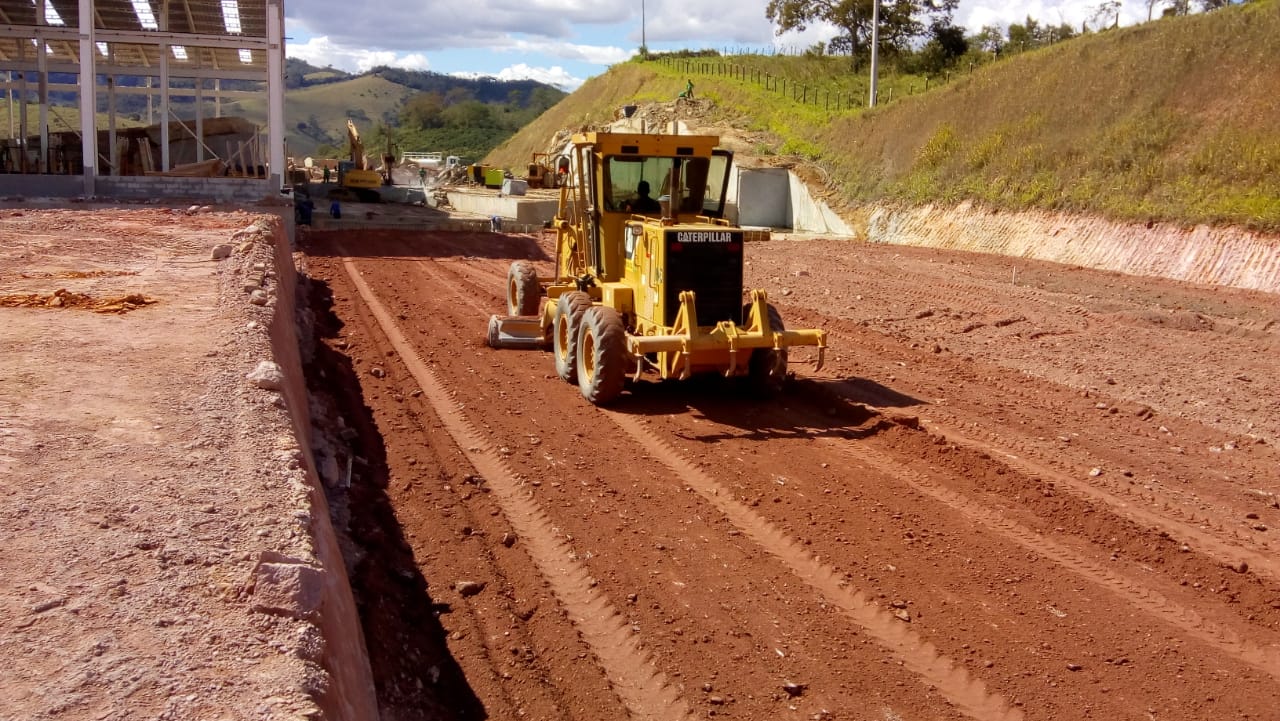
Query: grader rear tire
[[602, 355], [767, 369], [523, 291], [564, 335]]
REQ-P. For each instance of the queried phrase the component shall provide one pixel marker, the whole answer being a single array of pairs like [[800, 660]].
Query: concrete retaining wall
[[350, 697], [777, 198], [523, 210]]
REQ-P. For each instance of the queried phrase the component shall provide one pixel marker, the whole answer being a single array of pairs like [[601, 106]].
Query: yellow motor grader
[[647, 284]]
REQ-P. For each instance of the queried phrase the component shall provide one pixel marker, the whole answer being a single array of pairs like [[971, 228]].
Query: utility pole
[[644, 45], [875, 49]]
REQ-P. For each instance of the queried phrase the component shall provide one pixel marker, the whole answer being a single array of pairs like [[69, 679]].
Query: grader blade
[[515, 332]]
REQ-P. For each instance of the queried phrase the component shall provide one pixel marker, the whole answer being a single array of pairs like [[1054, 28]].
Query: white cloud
[[554, 75], [322, 52], [593, 54], [443, 24], [976, 14]]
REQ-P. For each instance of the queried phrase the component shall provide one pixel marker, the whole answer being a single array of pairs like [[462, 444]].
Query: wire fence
[[803, 93]]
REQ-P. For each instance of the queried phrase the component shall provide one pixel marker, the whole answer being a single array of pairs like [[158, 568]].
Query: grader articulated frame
[[638, 290]]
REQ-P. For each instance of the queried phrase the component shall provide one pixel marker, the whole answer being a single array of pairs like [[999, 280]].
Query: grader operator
[[642, 285]]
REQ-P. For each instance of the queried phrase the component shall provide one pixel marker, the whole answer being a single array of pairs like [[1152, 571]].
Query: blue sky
[[564, 42]]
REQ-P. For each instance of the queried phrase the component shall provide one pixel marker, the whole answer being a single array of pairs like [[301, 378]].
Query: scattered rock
[[221, 251], [794, 689], [508, 539], [468, 588], [1074, 667], [716, 700], [377, 372], [287, 587], [707, 688], [259, 297], [267, 376], [902, 615], [1095, 472], [48, 604], [1240, 567]]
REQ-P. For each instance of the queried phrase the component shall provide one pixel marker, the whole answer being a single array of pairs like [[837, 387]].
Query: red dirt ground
[[1018, 490]]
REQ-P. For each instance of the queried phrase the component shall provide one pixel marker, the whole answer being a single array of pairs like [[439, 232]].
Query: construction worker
[[688, 90], [643, 203], [326, 173]]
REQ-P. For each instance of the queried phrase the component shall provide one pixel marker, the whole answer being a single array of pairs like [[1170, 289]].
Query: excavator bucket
[[515, 332]]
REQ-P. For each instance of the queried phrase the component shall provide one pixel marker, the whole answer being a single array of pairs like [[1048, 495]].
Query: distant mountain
[[422, 111]]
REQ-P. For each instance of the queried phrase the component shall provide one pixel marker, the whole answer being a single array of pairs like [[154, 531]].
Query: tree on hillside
[[1106, 15], [944, 48], [990, 38], [1031, 35], [423, 111], [901, 21]]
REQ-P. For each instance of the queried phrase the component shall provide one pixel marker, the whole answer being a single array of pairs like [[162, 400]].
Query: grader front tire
[[564, 335], [602, 355], [523, 292]]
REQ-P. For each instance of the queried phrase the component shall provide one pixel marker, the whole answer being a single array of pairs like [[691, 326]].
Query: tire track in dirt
[[1184, 619], [1207, 542], [435, 271], [644, 690], [953, 681]]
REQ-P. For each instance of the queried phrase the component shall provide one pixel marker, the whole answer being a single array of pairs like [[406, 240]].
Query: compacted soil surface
[[145, 483], [1016, 491]]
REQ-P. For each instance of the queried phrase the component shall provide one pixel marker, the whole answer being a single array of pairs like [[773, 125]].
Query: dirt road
[[1018, 490]]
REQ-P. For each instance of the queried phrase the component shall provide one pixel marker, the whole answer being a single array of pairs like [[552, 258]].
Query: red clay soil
[[1017, 490]]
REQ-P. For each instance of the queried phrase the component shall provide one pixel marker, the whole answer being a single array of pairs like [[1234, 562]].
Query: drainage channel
[[640, 686]]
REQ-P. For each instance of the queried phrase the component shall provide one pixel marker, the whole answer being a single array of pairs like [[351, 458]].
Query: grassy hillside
[[317, 115], [1171, 120]]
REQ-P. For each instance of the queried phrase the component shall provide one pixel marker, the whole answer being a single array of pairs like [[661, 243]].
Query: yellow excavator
[[355, 180], [647, 284]]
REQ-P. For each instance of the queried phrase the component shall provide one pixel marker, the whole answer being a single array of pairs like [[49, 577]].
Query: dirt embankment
[[166, 552], [1222, 256]]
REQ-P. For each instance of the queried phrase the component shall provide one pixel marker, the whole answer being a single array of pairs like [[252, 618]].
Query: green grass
[[323, 110], [1174, 120]]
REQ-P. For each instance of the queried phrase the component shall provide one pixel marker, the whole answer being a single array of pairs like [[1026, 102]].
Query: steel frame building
[[199, 43]]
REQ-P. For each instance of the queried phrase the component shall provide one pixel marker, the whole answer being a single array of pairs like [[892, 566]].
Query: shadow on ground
[[415, 676], [368, 243], [806, 408]]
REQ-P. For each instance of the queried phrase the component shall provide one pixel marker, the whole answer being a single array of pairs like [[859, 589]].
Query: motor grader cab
[[638, 290]]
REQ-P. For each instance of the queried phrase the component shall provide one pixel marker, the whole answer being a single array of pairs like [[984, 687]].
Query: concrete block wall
[[141, 187], [212, 190]]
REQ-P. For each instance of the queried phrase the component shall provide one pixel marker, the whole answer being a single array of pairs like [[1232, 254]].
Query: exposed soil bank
[[166, 551], [1216, 256]]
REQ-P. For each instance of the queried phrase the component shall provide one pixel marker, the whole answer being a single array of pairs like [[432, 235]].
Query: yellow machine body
[[670, 268]]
